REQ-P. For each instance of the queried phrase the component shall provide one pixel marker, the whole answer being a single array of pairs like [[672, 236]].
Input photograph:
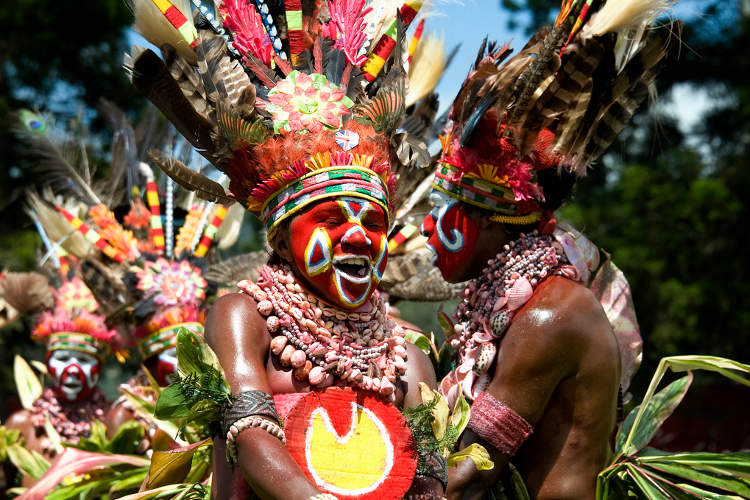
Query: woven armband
[[250, 409], [498, 424], [432, 464]]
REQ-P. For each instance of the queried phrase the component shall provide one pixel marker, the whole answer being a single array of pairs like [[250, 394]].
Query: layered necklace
[[363, 349], [491, 300], [72, 420]]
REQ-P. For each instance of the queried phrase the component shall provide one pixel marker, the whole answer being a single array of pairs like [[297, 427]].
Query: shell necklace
[[491, 300], [362, 349]]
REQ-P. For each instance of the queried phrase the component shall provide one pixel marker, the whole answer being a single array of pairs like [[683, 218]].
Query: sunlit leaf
[[53, 435], [30, 463], [476, 452], [172, 466], [418, 339], [27, 383], [171, 403], [703, 477], [657, 410], [461, 413]]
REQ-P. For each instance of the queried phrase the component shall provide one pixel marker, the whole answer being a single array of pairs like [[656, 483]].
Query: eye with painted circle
[[374, 220]]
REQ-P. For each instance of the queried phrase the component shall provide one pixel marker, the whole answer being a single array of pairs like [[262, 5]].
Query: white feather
[[427, 67], [624, 16]]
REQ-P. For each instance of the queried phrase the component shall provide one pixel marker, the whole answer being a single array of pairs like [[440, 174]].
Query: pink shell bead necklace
[[491, 300], [363, 349]]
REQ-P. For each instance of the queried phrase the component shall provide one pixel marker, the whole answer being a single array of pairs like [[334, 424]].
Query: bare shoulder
[[567, 311], [233, 316], [19, 420]]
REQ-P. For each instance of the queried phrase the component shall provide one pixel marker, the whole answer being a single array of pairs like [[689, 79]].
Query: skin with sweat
[[237, 333], [558, 367]]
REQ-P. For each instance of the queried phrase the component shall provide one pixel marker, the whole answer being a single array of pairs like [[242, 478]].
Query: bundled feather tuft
[[203, 187], [156, 28], [428, 64], [241, 17], [28, 293], [347, 28], [624, 15]]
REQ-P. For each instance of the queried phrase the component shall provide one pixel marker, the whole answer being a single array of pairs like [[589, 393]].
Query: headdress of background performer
[[135, 246], [557, 105], [293, 103]]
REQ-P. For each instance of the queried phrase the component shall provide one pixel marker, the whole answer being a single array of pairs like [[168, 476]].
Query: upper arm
[[236, 333], [418, 369]]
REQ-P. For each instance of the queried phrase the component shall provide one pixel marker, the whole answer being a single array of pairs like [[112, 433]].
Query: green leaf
[[27, 383], [517, 483], [420, 340], [446, 324], [53, 435], [30, 463], [657, 410], [476, 452], [647, 484], [704, 477], [8, 437], [724, 366], [171, 403], [440, 410], [172, 466], [127, 439], [461, 413]]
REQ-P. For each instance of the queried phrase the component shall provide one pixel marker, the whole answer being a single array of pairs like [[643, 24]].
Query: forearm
[[269, 469]]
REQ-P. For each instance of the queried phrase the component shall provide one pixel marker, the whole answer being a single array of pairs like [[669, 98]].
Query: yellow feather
[[426, 68]]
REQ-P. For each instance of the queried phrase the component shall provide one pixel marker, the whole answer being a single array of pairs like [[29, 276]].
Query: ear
[[281, 243]]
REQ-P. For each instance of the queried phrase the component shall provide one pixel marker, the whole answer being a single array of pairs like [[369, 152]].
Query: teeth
[[356, 261]]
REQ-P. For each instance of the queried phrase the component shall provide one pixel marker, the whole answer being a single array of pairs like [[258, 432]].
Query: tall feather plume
[[426, 68], [62, 162], [28, 293], [57, 227], [249, 35], [124, 151], [187, 77], [201, 185], [154, 26], [230, 228], [151, 77]]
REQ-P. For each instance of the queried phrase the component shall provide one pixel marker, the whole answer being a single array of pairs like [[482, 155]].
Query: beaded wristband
[[247, 404], [240, 425], [498, 424], [436, 467]]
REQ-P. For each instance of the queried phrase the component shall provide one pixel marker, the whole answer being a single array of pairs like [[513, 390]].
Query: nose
[[428, 226], [355, 237]]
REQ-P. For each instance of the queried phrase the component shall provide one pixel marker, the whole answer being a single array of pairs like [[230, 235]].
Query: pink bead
[[316, 375], [278, 344], [298, 358], [386, 387], [356, 376], [272, 323], [265, 307], [286, 355], [303, 371]]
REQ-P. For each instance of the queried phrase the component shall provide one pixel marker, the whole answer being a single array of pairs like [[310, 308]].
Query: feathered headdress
[[559, 103], [126, 249], [76, 329], [292, 103]]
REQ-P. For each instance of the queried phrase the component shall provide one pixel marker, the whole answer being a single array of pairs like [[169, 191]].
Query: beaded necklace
[[362, 348], [491, 300], [72, 420]]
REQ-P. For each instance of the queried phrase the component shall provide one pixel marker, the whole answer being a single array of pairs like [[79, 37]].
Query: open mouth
[[354, 268]]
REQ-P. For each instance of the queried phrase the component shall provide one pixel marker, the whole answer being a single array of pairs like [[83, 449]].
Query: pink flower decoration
[[172, 283]]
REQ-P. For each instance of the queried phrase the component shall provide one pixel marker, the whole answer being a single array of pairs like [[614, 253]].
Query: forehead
[[72, 353], [348, 205], [441, 199]]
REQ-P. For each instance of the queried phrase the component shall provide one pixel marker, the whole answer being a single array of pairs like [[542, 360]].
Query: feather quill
[[201, 185]]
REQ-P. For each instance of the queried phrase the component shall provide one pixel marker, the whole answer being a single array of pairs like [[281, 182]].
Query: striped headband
[[481, 193], [77, 342], [324, 183], [166, 338]]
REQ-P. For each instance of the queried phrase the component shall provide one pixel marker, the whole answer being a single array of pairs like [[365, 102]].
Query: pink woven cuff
[[498, 424]]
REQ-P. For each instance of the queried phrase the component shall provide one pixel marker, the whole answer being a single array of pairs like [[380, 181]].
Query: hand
[[465, 482], [425, 488]]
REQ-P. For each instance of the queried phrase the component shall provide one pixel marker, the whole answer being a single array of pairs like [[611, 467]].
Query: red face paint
[[76, 373], [166, 366], [451, 233], [341, 245]]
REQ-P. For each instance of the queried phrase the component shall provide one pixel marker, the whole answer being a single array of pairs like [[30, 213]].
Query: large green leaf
[[736, 463], [657, 410], [647, 484], [27, 383], [461, 413], [171, 403], [8, 437], [727, 367], [420, 340], [146, 409]]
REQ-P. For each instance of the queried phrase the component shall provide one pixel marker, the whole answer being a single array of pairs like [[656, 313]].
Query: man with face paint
[[535, 352], [78, 342]]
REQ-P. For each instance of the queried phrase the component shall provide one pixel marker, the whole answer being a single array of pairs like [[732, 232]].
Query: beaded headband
[[166, 338], [77, 342], [324, 183]]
